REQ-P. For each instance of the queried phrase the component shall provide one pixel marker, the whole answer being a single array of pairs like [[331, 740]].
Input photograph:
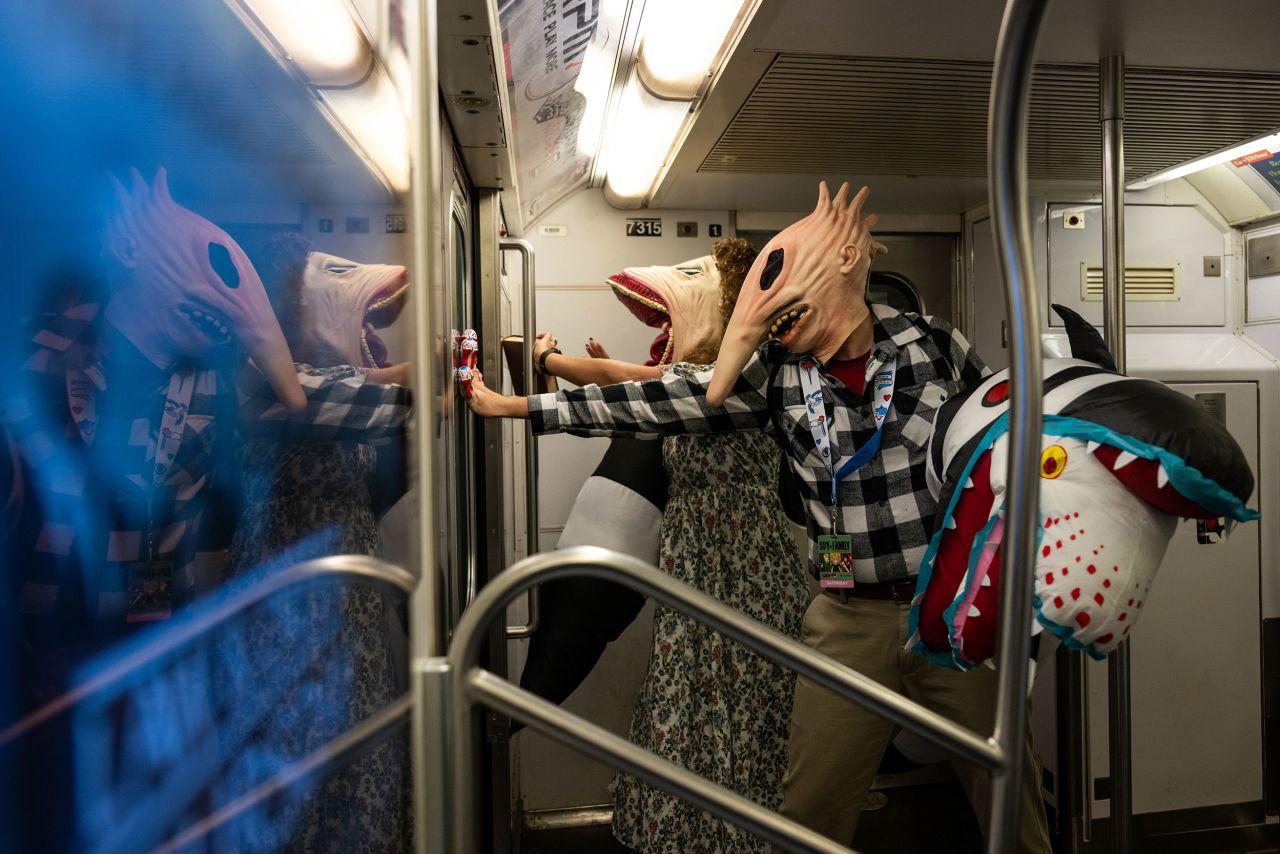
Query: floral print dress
[[708, 703], [347, 659]]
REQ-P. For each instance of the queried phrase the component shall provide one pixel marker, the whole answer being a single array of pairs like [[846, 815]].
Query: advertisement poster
[[544, 42]]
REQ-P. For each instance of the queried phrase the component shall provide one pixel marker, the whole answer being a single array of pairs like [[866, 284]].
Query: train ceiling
[[895, 95]]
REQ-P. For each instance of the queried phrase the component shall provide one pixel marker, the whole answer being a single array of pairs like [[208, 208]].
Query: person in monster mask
[[119, 419], [302, 501], [706, 703], [850, 389]]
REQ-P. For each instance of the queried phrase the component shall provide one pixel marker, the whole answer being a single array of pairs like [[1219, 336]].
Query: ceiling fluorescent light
[[319, 37], [642, 136], [680, 42], [1270, 144], [371, 113], [595, 78]]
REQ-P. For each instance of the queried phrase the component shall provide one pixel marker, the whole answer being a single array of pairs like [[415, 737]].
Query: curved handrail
[[471, 683], [147, 649], [350, 745], [1007, 176]]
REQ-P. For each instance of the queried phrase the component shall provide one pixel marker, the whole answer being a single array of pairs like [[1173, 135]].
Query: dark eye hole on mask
[[690, 271], [220, 260], [339, 269], [772, 267]]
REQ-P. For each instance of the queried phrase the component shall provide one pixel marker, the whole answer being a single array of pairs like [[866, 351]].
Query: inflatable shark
[[1122, 460]]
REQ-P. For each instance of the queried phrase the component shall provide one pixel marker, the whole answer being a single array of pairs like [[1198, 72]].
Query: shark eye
[[339, 269], [220, 260], [1053, 462], [772, 267]]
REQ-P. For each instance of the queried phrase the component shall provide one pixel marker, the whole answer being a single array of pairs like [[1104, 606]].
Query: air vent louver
[[1151, 282]]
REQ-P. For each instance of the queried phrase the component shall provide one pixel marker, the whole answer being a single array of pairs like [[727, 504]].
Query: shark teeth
[[968, 484], [1036, 627], [1162, 477], [1123, 460], [1092, 446], [986, 581], [974, 612]]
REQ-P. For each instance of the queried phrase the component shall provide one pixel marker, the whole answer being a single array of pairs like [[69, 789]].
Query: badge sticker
[[835, 561]]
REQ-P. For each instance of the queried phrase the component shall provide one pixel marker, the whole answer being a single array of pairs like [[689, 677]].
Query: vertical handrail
[[1111, 75], [1007, 170], [530, 297], [426, 613]]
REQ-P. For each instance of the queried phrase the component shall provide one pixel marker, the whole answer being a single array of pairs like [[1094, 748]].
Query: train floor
[[895, 826]]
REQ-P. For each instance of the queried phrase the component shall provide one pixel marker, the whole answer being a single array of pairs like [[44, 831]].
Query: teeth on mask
[[1093, 446], [1123, 460], [986, 581], [990, 664], [913, 640], [1036, 628], [968, 484], [1162, 477], [951, 523]]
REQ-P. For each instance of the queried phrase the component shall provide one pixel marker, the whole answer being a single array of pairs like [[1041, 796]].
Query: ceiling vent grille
[[1150, 282], [840, 115]]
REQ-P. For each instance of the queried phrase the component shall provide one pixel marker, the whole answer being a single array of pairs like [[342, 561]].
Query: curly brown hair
[[281, 262], [733, 258]]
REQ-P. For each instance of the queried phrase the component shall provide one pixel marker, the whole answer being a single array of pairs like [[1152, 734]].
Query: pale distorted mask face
[[682, 300], [343, 302], [806, 289], [188, 287]]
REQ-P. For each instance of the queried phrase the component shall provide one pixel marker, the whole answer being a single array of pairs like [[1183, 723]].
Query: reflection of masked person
[[120, 418], [302, 501]]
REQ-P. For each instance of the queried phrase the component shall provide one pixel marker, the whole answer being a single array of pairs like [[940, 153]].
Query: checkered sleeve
[[342, 405], [668, 405], [967, 365]]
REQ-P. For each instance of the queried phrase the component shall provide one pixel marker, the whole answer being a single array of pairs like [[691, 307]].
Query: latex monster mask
[[343, 303], [683, 301], [807, 288], [181, 287]]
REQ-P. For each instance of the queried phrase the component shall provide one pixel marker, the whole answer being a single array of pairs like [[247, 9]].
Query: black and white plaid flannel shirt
[[885, 506]]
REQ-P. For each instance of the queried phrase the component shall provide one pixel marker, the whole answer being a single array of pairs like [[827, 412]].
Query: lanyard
[[811, 385]]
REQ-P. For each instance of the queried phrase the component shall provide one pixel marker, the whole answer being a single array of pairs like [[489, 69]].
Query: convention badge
[[835, 561], [149, 594]]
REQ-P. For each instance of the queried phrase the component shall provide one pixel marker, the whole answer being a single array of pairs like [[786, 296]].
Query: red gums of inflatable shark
[[1122, 460], [181, 287], [807, 288]]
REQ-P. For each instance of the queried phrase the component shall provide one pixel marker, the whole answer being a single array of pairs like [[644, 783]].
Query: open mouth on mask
[[384, 307], [210, 325], [788, 322], [649, 308]]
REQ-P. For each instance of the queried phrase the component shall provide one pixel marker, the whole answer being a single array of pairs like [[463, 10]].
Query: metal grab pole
[[530, 297], [427, 609], [1111, 115], [1007, 171]]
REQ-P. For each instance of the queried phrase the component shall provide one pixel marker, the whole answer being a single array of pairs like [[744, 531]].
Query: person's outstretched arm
[[586, 370], [668, 405]]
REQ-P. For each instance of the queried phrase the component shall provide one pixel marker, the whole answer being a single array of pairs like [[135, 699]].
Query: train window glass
[[894, 289]]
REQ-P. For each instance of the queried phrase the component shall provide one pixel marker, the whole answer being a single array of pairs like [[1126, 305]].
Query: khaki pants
[[836, 746]]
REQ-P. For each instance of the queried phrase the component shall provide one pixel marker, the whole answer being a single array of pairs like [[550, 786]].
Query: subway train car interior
[[726, 426]]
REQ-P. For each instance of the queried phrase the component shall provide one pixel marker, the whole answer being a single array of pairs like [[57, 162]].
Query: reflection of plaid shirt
[[83, 514], [886, 506]]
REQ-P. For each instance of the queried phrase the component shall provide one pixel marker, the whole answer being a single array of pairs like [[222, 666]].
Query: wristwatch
[[542, 360]]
